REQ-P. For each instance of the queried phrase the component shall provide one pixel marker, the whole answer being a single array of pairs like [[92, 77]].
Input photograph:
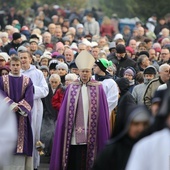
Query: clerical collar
[[84, 83], [15, 75]]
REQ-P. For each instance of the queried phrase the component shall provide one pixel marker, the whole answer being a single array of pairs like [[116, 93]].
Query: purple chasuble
[[98, 126], [20, 90]]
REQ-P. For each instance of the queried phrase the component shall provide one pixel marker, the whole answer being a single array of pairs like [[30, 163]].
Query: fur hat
[[52, 64]]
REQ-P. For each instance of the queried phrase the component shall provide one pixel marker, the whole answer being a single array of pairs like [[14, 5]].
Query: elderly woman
[[49, 114], [58, 96]]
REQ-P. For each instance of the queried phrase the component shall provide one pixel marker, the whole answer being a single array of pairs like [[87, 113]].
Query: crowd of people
[[84, 93]]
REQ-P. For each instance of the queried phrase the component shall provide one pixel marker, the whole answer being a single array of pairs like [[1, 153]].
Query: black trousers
[[77, 157]]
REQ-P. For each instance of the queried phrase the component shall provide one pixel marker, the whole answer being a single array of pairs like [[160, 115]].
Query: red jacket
[[57, 99], [107, 30]]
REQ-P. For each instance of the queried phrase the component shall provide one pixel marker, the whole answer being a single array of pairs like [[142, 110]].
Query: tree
[[135, 8]]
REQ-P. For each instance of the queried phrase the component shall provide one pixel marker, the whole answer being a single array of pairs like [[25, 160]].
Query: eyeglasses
[[164, 53]]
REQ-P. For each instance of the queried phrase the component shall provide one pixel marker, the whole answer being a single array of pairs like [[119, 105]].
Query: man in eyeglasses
[[164, 56]]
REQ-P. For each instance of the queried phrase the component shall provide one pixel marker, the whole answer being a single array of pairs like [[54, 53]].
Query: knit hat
[[34, 36], [4, 34], [112, 45], [25, 44], [49, 46], [74, 47], [38, 52], [65, 39], [12, 51], [157, 47], [130, 49], [55, 54], [63, 66], [130, 72], [140, 114], [149, 70], [9, 27], [24, 28], [102, 63], [94, 44], [73, 65], [5, 68], [86, 42], [79, 26], [144, 53], [44, 68], [33, 40], [5, 56], [22, 49], [16, 35], [59, 45], [60, 56], [118, 36], [120, 48], [47, 55]]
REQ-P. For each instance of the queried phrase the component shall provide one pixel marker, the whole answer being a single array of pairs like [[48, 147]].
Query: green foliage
[[132, 8]]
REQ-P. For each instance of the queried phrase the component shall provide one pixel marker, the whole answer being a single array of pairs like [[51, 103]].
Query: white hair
[[71, 76], [55, 76], [46, 34], [163, 67]]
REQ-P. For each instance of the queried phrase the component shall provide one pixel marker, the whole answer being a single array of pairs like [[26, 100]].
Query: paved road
[[44, 163]]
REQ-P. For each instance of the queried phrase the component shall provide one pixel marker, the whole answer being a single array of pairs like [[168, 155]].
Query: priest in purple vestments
[[82, 127], [18, 93]]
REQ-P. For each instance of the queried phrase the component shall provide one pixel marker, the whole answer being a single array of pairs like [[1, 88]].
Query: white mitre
[[84, 60]]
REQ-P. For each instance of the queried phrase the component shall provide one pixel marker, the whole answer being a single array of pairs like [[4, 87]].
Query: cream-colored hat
[[84, 60], [4, 55]]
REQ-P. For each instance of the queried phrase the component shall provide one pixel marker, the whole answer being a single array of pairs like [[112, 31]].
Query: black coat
[[9, 46], [123, 63], [48, 122], [125, 101], [117, 151], [114, 156]]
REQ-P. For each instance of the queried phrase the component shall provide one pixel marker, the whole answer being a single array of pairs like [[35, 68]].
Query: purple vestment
[[20, 90], [98, 126]]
